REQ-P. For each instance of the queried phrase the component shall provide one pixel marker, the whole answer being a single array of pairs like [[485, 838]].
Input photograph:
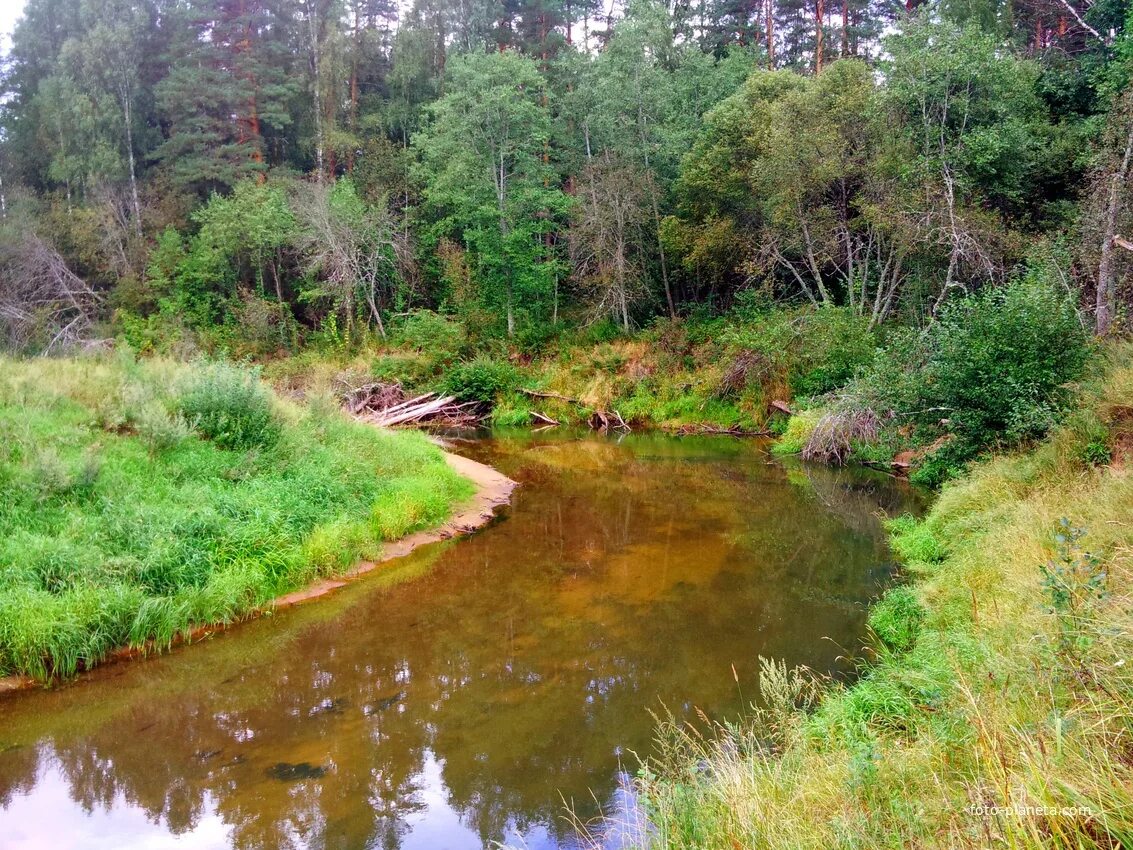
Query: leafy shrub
[[441, 338], [410, 369], [834, 344], [811, 351], [1000, 363], [946, 462], [993, 371], [482, 379], [228, 405], [263, 326], [158, 428]]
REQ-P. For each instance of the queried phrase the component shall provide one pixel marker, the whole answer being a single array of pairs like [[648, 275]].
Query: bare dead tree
[[119, 240], [607, 241], [44, 306], [351, 247]]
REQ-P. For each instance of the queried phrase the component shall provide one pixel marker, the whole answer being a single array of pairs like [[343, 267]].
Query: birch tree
[[486, 179]]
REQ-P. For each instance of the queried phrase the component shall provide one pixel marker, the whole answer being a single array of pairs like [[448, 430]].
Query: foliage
[[438, 337], [486, 179], [482, 379], [1001, 361]]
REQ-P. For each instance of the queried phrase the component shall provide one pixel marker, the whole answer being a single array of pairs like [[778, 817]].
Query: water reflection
[[515, 671]]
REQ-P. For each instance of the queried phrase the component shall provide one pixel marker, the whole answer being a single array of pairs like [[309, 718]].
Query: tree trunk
[[316, 82], [770, 34], [819, 11], [845, 28], [354, 91], [1107, 278], [656, 209], [127, 114]]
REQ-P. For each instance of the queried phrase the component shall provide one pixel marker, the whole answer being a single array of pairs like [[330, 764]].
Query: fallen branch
[[540, 394], [599, 420], [413, 413], [385, 404], [723, 430]]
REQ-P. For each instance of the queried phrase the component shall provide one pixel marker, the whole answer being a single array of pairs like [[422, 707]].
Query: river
[[457, 698]]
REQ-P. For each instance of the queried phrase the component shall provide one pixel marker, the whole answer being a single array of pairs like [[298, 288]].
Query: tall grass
[[998, 709], [144, 498]]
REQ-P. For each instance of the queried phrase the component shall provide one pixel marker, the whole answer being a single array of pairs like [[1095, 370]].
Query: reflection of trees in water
[[19, 767], [522, 666]]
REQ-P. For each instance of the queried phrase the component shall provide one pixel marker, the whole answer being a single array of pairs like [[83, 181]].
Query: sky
[[9, 11]]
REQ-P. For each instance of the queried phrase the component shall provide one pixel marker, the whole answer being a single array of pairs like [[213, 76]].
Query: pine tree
[[228, 86]]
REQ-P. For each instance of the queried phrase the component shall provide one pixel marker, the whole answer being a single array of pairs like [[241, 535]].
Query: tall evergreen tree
[[228, 86]]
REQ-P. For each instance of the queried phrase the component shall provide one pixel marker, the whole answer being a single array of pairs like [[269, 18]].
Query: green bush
[[482, 379], [814, 350], [1000, 363], [834, 344], [228, 405], [441, 338], [993, 371]]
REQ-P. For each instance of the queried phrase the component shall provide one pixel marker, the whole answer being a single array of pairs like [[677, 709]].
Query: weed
[[228, 405]]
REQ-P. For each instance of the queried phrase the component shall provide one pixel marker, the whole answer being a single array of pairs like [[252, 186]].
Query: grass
[[998, 708], [142, 499]]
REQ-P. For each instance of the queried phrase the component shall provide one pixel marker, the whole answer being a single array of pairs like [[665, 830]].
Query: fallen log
[[413, 413], [405, 405], [540, 417]]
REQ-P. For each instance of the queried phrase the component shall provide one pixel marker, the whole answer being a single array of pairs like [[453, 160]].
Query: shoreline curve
[[493, 490]]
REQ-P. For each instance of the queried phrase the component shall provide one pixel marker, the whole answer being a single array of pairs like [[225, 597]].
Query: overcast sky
[[9, 11]]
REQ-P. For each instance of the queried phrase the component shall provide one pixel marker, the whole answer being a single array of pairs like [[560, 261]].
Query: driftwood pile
[[385, 404], [599, 420]]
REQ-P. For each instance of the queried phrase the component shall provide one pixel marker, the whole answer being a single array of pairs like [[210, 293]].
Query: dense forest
[[257, 172], [917, 215]]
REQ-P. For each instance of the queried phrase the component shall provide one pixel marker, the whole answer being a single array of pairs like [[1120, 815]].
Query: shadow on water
[[515, 670]]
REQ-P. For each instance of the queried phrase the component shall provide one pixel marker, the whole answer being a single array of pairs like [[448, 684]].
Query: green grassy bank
[[1001, 676], [143, 498]]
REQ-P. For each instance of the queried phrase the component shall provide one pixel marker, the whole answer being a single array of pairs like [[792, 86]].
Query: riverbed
[[470, 692]]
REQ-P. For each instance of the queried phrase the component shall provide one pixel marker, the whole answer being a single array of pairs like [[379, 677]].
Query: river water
[[463, 696]]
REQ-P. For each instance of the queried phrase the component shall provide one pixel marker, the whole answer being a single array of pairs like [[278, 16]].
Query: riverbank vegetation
[[997, 704], [143, 499]]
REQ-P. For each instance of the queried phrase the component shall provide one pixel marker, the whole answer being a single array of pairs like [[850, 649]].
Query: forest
[[255, 175], [787, 199]]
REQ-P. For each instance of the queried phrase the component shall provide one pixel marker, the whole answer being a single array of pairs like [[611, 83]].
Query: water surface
[[457, 699]]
